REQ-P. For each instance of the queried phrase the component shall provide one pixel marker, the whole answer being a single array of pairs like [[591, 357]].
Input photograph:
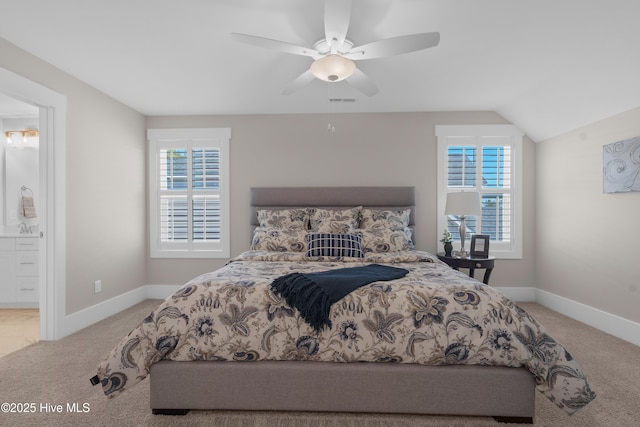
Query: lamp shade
[[463, 203], [332, 68]]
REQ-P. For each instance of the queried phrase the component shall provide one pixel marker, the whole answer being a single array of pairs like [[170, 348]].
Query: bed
[[433, 341]]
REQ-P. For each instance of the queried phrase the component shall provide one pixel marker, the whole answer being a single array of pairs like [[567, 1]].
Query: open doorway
[[50, 263], [19, 224]]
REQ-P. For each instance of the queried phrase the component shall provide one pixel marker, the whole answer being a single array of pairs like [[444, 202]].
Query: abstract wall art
[[621, 166]]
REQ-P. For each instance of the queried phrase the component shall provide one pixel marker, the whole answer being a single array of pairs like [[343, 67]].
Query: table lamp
[[463, 204]]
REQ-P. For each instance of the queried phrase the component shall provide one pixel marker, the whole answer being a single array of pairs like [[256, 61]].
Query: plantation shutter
[[485, 159], [192, 188]]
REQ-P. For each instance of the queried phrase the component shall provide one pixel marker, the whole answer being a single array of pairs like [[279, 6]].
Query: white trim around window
[[506, 139], [189, 193]]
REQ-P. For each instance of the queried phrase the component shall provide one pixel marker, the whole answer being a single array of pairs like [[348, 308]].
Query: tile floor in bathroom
[[19, 327]]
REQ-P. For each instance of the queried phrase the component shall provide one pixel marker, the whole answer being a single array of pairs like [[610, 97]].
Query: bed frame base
[[514, 420], [169, 411], [506, 420], [507, 394]]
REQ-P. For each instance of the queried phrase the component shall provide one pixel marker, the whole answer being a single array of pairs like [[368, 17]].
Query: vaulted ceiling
[[548, 66]]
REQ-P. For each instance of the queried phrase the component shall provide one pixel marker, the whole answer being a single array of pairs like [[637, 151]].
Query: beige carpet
[[58, 372]]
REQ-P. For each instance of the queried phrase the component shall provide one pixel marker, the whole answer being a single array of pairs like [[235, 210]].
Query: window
[[189, 193], [486, 159]]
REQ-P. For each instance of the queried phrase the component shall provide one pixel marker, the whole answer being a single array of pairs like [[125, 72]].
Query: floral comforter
[[434, 315]]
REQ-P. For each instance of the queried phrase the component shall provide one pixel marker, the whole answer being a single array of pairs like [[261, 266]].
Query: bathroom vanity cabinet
[[19, 271]]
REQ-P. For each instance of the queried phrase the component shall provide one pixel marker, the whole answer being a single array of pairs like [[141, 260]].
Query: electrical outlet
[[97, 286]]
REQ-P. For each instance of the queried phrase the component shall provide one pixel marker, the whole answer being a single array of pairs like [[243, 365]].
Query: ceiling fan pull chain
[[330, 127]]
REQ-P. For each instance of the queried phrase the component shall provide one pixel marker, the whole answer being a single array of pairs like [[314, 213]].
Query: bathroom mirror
[[21, 170]]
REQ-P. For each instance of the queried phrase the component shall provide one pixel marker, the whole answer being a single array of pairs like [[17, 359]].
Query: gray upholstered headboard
[[332, 197]]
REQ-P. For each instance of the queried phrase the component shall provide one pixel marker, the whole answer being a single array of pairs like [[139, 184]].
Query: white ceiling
[[549, 66]]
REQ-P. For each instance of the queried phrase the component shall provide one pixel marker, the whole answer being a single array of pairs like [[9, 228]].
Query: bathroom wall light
[[24, 134]]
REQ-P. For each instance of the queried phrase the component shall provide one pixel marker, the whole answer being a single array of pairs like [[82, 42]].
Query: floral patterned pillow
[[279, 239], [296, 218], [336, 227], [408, 231], [384, 240], [321, 219], [391, 219]]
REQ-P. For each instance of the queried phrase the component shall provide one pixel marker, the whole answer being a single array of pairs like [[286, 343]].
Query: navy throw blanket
[[314, 293]]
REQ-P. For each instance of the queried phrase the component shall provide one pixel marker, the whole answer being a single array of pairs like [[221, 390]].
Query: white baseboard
[[525, 294], [610, 323], [19, 305], [606, 322], [90, 315], [601, 320], [160, 291]]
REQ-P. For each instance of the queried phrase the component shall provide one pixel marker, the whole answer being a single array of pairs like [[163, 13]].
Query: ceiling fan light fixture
[[332, 68]]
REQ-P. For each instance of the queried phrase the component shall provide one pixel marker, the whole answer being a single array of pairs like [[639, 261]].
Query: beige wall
[[366, 149], [106, 177], [587, 240], [105, 184]]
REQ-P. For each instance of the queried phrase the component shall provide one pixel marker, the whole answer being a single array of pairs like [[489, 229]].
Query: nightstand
[[471, 263]]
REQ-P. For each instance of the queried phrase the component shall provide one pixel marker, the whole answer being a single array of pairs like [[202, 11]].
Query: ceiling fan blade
[[275, 45], [363, 83], [337, 14], [394, 46], [301, 81]]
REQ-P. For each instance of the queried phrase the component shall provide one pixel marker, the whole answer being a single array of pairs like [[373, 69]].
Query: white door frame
[[53, 108]]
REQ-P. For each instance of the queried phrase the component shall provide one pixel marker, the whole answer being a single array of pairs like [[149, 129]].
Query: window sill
[[190, 254]]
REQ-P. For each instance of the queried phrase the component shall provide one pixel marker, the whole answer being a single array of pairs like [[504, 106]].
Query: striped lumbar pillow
[[334, 245]]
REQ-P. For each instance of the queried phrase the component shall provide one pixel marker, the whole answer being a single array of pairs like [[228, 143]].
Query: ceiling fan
[[334, 55]]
